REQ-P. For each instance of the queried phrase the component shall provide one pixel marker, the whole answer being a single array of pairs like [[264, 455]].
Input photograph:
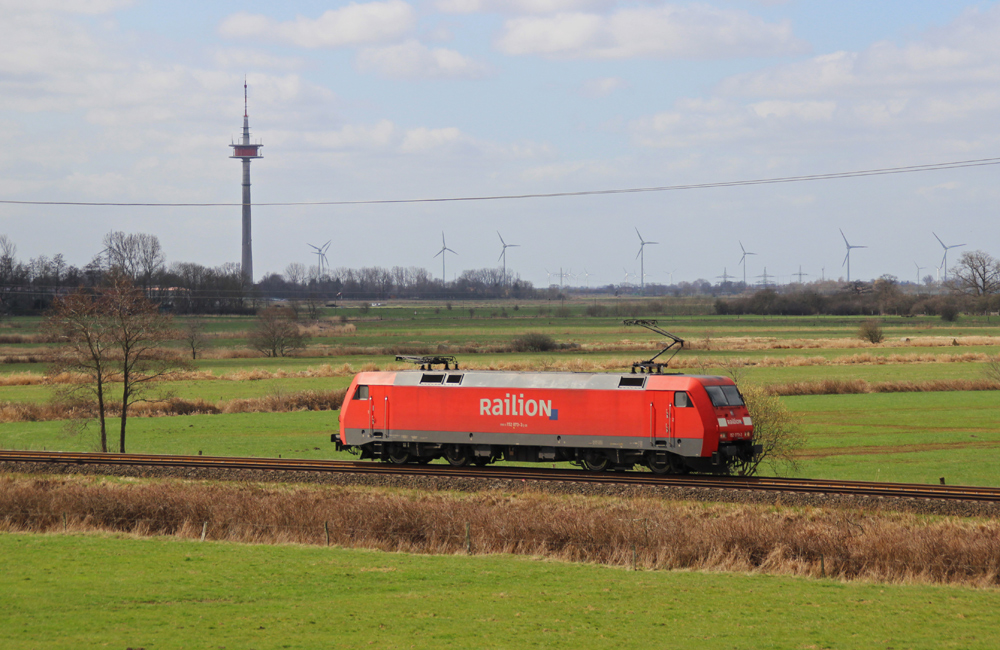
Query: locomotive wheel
[[456, 456], [656, 466], [595, 462], [398, 455]]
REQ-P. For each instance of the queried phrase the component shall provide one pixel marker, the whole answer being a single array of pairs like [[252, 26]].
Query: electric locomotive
[[668, 422]]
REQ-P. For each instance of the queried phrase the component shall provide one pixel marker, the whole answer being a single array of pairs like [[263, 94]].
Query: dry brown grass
[[860, 386], [652, 534], [307, 400]]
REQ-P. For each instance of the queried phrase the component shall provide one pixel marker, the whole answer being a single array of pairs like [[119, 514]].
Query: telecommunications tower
[[246, 152]]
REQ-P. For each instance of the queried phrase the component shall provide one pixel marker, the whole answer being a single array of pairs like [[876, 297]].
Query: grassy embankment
[[93, 591]]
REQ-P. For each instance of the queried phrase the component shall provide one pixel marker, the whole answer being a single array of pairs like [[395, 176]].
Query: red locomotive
[[668, 422]]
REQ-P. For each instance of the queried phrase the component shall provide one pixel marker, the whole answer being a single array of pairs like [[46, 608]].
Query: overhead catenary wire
[[959, 164]]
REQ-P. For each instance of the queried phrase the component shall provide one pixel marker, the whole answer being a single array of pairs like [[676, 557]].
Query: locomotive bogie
[[669, 423]]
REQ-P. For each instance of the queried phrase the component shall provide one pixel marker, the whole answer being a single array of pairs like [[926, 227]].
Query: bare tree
[[77, 321], [276, 334], [115, 335], [296, 273], [150, 260], [193, 333], [977, 273], [138, 255], [137, 330]]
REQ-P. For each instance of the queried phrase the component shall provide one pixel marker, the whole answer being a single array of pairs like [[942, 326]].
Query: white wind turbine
[[743, 261], [503, 255], [444, 249], [847, 258], [320, 257], [642, 261], [944, 260]]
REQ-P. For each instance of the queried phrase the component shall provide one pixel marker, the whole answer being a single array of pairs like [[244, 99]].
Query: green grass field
[[914, 437], [89, 591]]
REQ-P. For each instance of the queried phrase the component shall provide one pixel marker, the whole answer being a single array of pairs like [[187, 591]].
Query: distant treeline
[[186, 287], [888, 301]]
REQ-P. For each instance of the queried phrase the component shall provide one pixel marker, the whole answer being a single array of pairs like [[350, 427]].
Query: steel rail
[[768, 484]]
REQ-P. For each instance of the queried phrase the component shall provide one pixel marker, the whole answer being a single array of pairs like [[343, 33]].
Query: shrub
[[774, 427], [949, 312], [992, 369], [534, 342], [871, 330]]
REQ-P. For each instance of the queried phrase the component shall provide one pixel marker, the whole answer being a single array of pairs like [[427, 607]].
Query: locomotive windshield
[[724, 395]]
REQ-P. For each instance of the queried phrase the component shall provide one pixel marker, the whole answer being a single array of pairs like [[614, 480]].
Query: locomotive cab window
[[682, 400], [361, 392], [733, 395], [724, 395]]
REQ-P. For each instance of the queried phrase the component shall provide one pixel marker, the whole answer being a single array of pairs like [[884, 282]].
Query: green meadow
[[911, 437], [93, 591]]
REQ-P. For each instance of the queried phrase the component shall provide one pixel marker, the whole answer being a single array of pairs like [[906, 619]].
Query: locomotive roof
[[528, 379]]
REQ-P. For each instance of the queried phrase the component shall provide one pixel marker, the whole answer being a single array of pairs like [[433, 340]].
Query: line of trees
[[190, 288], [973, 288]]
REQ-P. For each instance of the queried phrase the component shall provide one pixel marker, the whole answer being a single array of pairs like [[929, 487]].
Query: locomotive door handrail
[[385, 417], [670, 423]]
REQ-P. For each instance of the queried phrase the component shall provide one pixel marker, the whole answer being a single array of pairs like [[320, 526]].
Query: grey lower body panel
[[690, 447]]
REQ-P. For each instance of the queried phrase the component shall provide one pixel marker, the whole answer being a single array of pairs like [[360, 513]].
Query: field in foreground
[[81, 591]]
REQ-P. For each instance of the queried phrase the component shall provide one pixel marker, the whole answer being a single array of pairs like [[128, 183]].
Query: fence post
[[822, 565], [468, 538], [64, 522], [204, 530], [326, 529], [633, 556]]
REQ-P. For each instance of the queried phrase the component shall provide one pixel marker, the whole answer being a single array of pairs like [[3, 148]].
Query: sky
[[120, 101]]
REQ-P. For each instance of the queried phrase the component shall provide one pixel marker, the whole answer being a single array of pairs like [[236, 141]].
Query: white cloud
[[669, 31], [601, 87], [518, 6], [9, 7], [937, 189], [245, 59], [411, 59], [943, 83], [355, 24], [424, 139], [805, 111]]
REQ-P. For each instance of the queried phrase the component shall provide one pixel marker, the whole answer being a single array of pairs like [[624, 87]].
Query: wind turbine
[[444, 249], [642, 262], [944, 260], [847, 259], [586, 277], [919, 269], [503, 255], [320, 257], [744, 263]]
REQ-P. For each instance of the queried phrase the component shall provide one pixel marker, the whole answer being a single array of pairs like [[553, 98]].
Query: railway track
[[760, 484]]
